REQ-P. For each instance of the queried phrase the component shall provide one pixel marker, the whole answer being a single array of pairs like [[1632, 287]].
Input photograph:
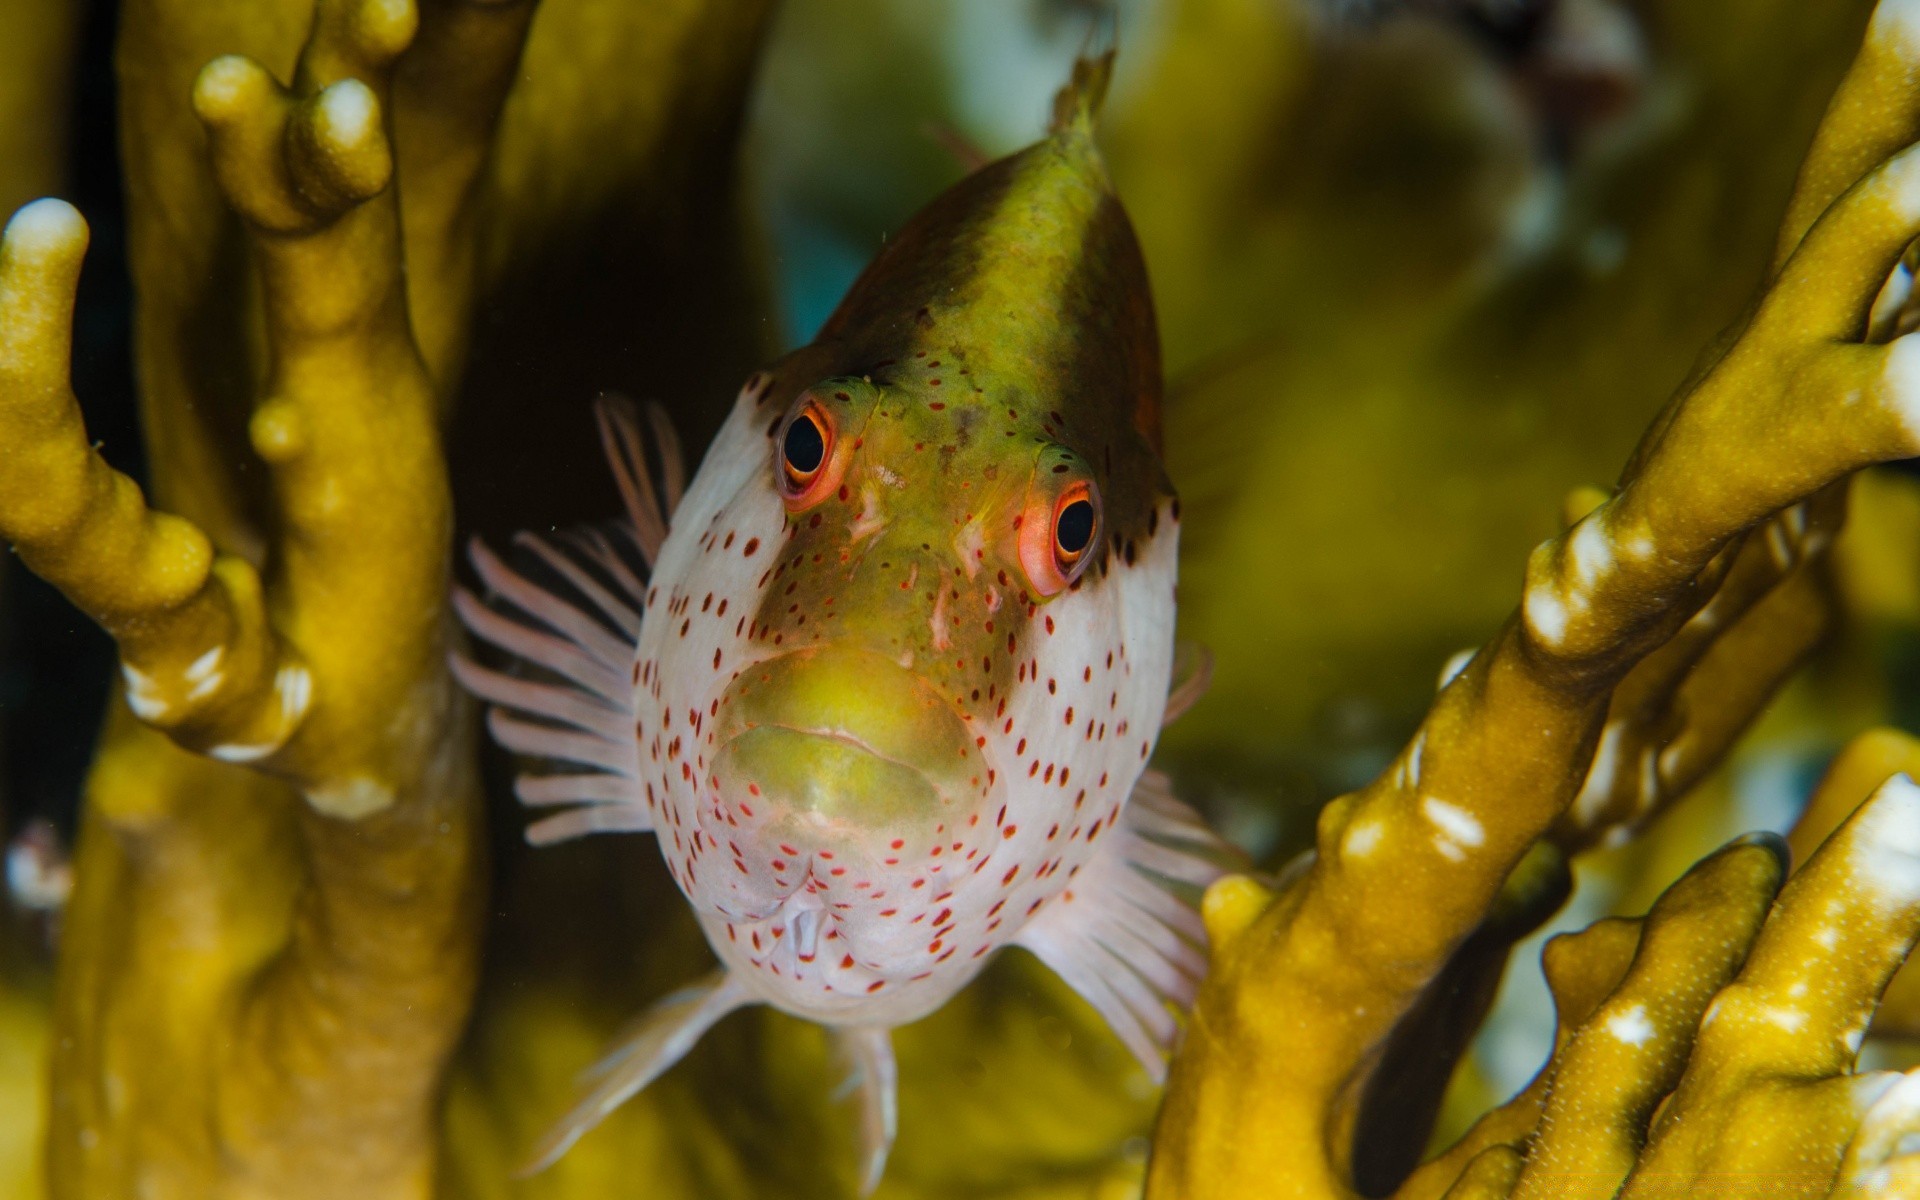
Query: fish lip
[[837, 735], [902, 719]]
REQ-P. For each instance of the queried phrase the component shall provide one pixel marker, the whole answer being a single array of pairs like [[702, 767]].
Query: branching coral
[[1306, 983], [273, 951], [327, 677], [1707, 1047]]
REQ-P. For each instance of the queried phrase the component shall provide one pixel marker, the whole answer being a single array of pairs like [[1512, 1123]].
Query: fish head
[[919, 545]]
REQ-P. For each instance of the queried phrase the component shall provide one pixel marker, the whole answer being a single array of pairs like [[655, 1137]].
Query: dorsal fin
[[1077, 105]]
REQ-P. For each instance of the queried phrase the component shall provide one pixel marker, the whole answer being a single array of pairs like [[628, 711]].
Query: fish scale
[[882, 719]]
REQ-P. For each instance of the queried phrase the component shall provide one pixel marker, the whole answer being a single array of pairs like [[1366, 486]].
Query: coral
[[285, 887], [1647, 591], [327, 678], [1394, 332]]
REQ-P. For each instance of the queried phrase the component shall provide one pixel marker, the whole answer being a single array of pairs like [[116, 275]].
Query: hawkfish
[[885, 678]]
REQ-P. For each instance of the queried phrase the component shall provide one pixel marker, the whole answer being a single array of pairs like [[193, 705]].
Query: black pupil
[[1074, 529], [804, 447]]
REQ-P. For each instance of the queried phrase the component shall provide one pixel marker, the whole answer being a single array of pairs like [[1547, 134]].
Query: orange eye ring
[[810, 462], [1058, 536]]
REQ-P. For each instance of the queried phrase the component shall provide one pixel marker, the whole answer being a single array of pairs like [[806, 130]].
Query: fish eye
[[804, 448], [811, 458], [1057, 535], [1073, 529]]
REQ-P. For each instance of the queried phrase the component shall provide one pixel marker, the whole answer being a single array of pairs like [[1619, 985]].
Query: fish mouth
[[844, 745]]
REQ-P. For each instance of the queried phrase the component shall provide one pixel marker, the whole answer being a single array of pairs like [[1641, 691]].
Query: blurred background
[[1421, 268]]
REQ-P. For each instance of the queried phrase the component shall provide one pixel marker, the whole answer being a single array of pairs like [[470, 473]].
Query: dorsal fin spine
[[1077, 105]]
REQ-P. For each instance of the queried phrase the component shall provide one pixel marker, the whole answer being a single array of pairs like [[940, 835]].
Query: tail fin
[[1076, 105]]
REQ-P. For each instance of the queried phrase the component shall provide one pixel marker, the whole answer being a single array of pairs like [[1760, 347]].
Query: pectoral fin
[[869, 1053], [640, 1055], [1125, 935]]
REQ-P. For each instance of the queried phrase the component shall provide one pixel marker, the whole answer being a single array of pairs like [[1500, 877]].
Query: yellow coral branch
[[1768, 1093], [198, 655], [1305, 985], [1875, 755], [449, 92], [1632, 1049], [1673, 717], [1581, 969], [348, 418], [337, 934], [1719, 1062]]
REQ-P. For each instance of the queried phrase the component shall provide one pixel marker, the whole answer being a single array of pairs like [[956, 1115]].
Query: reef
[[383, 255]]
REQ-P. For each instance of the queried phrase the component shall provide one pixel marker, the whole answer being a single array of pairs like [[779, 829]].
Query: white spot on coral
[[1456, 823], [295, 687], [43, 226], [221, 82], [204, 673], [1362, 837], [1901, 376], [1897, 22], [1631, 1027], [1901, 176], [1854, 1038], [143, 695], [1887, 842], [1598, 788], [1449, 850], [348, 111], [206, 665], [1546, 615], [1891, 1113], [1887, 305], [1792, 1020], [243, 754], [1591, 554], [1828, 937], [352, 798], [1450, 670], [1712, 1014], [206, 687]]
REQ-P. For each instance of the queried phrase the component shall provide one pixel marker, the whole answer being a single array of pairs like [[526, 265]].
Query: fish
[[886, 676]]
